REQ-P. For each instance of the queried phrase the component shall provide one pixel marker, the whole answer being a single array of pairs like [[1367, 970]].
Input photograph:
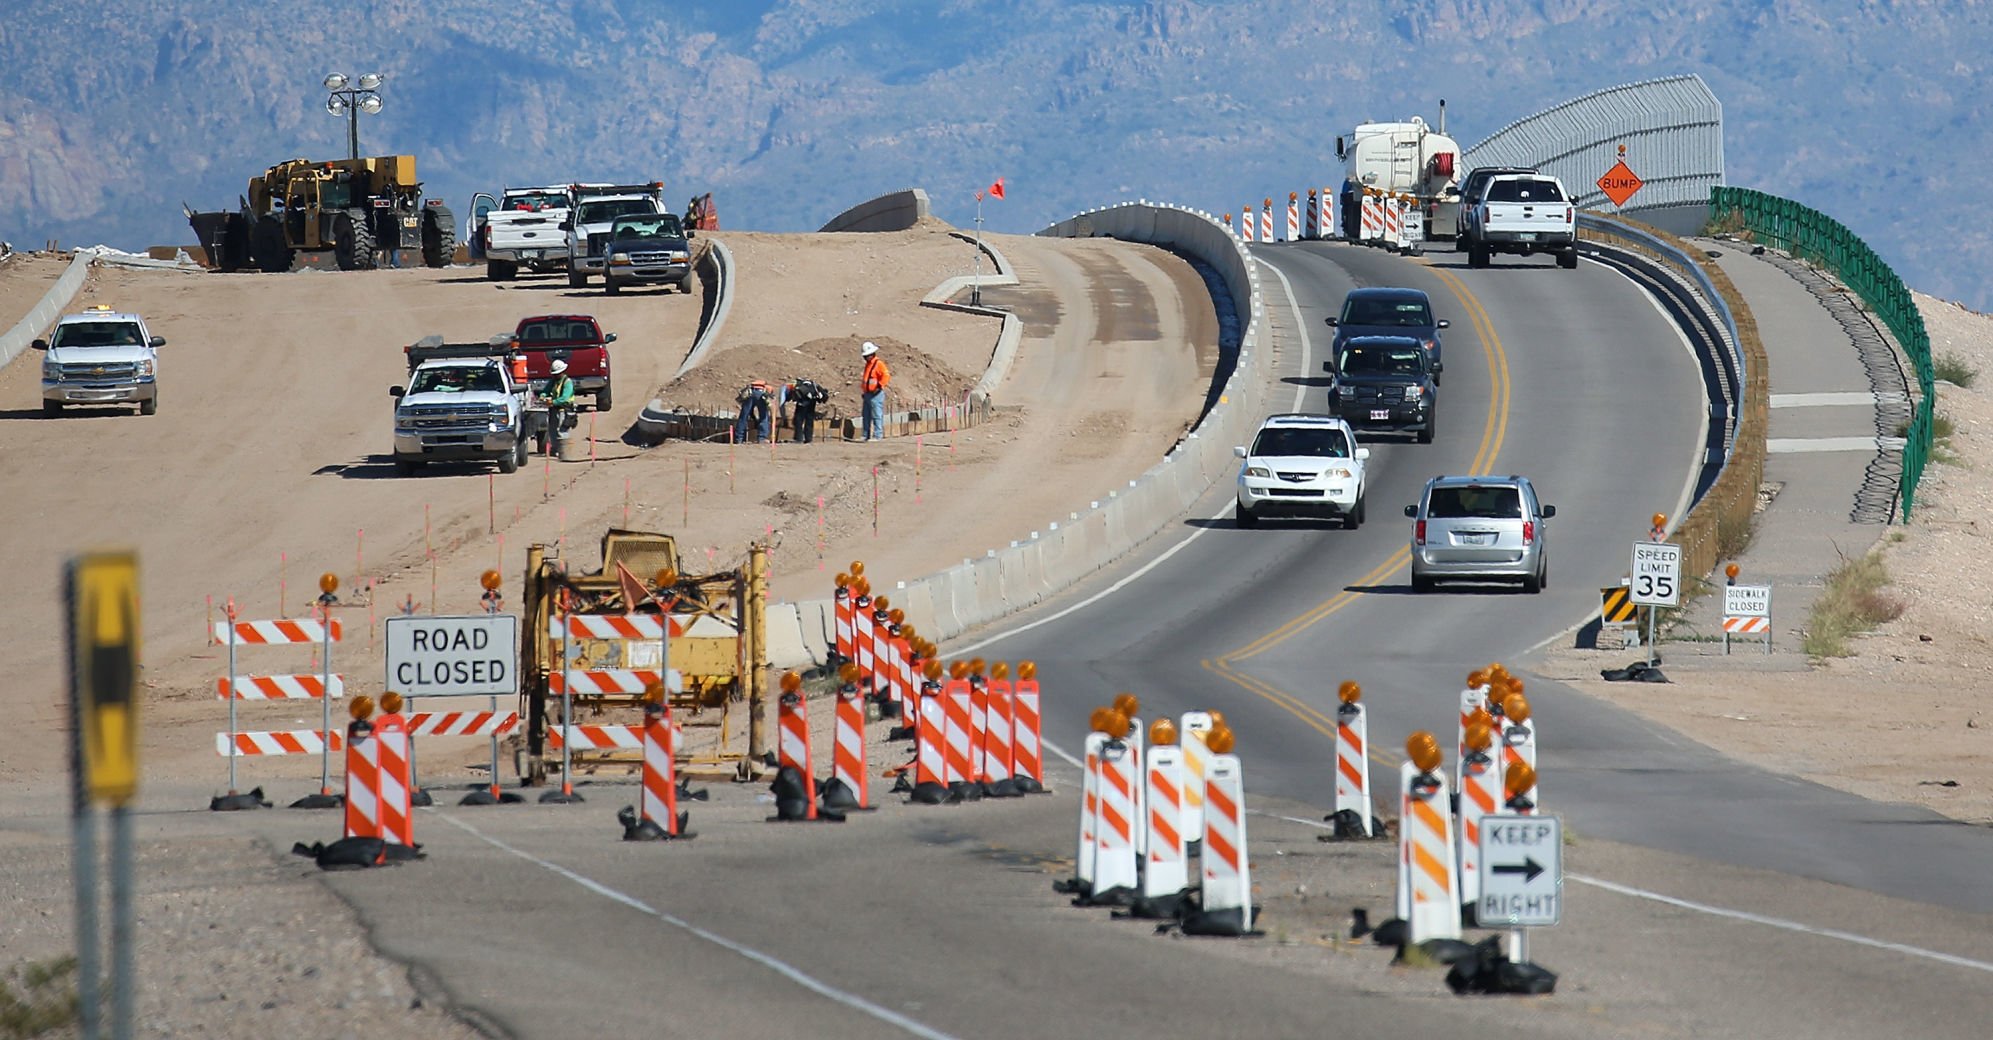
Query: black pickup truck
[[1385, 382], [648, 249]]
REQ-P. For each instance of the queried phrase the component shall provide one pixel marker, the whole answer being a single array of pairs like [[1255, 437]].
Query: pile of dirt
[[918, 379]]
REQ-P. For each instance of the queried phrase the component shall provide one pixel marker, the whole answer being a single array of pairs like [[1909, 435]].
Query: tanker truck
[[1408, 158]]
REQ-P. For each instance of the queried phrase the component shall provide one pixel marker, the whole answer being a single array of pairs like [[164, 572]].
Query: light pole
[[349, 98]]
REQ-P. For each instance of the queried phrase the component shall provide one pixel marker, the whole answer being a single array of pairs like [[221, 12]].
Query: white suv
[[100, 357], [1301, 465]]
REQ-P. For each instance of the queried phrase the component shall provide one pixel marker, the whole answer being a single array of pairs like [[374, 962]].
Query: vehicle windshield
[[608, 210], [556, 330], [1382, 361], [1320, 442], [96, 334], [457, 379], [536, 200], [663, 225], [1399, 313], [1475, 501], [1524, 191]]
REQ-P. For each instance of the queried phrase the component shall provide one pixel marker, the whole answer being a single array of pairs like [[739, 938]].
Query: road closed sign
[[473, 656], [1657, 574]]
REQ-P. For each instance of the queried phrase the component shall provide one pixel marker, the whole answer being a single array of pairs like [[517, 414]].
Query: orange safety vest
[[876, 375]]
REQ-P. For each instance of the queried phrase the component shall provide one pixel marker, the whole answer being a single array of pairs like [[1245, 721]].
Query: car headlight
[[1336, 474], [680, 254], [144, 368], [1430, 345], [1346, 391], [51, 372], [620, 259], [1413, 393], [1258, 471]]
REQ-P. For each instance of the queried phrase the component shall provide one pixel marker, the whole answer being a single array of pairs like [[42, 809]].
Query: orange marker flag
[[996, 190]]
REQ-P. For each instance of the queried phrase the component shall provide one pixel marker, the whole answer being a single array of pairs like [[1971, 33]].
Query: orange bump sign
[[1620, 182], [103, 639]]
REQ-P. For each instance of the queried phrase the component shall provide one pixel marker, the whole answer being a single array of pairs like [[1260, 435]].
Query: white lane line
[[1307, 345], [1307, 358], [850, 1000], [1790, 926]]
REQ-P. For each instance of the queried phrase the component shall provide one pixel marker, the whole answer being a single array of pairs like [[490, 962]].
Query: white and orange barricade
[[1428, 886], [397, 779], [587, 681], [841, 622], [1312, 228], [363, 781], [999, 753], [1371, 229], [615, 626], [1166, 865], [1480, 796], [847, 787], [235, 687], [1293, 217], [1394, 220], [1227, 881], [1139, 818], [1266, 219], [793, 721], [1115, 865], [979, 728], [1247, 221], [1193, 725], [960, 754], [657, 817], [1027, 753], [902, 678], [595, 738], [1326, 212], [1353, 759], [462, 723], [1088, 851], [930, 767], [882, 649]]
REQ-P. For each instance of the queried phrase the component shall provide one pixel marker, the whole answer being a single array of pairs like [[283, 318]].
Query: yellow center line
[[1494, 432]]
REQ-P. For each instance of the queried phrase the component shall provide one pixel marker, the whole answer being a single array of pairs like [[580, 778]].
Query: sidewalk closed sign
[[1747, 601], [475, 655]]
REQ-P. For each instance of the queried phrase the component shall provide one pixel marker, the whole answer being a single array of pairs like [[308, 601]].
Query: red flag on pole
[[634, 593], [996, 190]]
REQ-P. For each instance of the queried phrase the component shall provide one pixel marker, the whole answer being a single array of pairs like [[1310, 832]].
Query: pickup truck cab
[[521, 228], [593, 209], [100, 357], [648, 250], [460, 404], [1385, 382], [1470, 193], [1523, 213], [575, 338]]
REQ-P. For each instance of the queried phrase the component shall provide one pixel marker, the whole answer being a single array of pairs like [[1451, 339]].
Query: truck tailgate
[[1513, 217]]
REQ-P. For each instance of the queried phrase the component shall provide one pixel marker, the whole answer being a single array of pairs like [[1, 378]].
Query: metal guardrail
[[1682, 263], [1809, 234]]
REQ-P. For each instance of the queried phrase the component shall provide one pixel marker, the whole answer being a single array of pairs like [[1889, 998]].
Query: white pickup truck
[[1524, 214], [100, 357], [521, 227], [460, 404], [593, 212]]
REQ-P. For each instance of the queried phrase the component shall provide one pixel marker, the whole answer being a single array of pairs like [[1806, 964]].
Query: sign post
[[1656, 582], [1522, 876], [101, 594]]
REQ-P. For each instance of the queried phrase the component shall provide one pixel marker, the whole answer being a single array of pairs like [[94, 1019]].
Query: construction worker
[[872, 392], [754, 423], [559, 395]]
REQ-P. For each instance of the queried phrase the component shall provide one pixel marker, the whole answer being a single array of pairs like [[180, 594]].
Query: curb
[[17, 338]]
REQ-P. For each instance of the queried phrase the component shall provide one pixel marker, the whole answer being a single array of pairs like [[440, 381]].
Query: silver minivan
[[1480, 529]]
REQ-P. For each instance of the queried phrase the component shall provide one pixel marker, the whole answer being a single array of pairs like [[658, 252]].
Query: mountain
[[790, 110]]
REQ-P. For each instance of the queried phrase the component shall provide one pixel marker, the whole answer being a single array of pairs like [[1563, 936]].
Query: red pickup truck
[[575, 337]]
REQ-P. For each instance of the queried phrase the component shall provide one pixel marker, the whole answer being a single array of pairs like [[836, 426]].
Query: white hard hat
[[870, 348], [559, 367]]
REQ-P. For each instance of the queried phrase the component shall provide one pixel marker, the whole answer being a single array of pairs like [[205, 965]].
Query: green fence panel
[[1814, 236]]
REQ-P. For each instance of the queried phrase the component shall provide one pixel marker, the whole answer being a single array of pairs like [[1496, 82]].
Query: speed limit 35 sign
[[1657, 574]]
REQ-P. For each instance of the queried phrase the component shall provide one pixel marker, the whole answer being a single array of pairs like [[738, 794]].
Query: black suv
[[1390, 312], [1385, 382]]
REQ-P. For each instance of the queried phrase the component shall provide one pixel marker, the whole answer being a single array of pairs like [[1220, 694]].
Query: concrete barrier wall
[[984, 589], [895, 212], [44, 313]]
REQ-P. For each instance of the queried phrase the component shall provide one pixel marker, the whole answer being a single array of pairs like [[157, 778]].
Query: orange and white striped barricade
[[1324, 219], [795, 784], [901, 675], [846, 789], [1247, 221], [1353, 771], [979, 728], [596, 738], [960, 753], [930, 768], [1519, 745], [999, 754], [1266, 219], [280, 687], [1371, 229], [1227, 882], [491, 723], [567, 680], [841, 615], [1312, 228], [1027, 752], [1115, 865], [863, 651], [1139, 818], [1166, 865], [1088, 850], [1193, 725], [397, 779], [363, 781], [591, 681], [1480, 795], [1394, 220], [657, 817], [236, 633], [1293, 217], [253, 744], [1428, 887], [1472, 699], [882, 651]]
